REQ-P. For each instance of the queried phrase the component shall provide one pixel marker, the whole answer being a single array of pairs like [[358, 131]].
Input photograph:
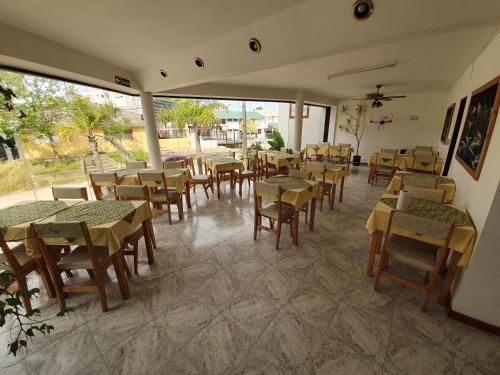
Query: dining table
[[405, 162], [220, 165], [177, 178], [336, 173], [461, 244], [109, 222], [445, 184], [280, 159], [297, 192]]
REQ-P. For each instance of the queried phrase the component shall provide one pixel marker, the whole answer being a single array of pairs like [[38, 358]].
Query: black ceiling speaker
[[362, 9], [163, 73], [254, 45], [199, 62]]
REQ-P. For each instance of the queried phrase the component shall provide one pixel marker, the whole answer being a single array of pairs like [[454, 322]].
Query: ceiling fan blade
[[387, 98], [358, 99], [396, 96]]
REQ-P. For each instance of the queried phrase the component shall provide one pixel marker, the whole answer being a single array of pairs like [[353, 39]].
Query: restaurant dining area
[[351, 227]]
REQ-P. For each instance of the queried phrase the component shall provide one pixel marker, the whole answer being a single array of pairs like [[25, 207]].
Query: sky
[[235, 105]]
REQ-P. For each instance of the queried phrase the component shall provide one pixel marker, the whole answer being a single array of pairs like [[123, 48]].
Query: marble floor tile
[[218, 347], [179, 364], [259, 361], [71, 354], [146, 352], [17, 369], [291, 339]]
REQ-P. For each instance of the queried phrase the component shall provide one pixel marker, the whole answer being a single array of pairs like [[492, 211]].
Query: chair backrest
[[153, 179], [409, 179], [324, 144], [132, 192], [389, 151], [315, 166], [423, 148], [304, 175], [272, 192], [173, 164], [386, 159], [423, 226], [425, 157], [104, 179], [66, 192], [136, 164], [344, 144], [426, 193]]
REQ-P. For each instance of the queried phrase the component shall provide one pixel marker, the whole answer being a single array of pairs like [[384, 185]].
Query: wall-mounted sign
[[122, 81]]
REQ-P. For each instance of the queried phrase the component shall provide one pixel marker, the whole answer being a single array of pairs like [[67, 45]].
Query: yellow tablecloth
[[279, 159], [344, 151], [299, 197], [222, 163], [461, 241], [176, 177], [334, 174], [404, 162], [108, 234], [448, 187]]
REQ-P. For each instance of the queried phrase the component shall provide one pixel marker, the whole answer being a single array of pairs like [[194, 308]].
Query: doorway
[[454, 136]]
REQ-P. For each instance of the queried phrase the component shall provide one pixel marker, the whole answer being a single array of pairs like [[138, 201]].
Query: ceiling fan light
[[376, 104]]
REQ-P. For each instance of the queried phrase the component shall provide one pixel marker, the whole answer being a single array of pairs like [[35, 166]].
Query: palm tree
[[196, 114], [86, 117]]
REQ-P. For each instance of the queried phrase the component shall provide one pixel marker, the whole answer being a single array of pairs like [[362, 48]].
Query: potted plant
[[355, 122]]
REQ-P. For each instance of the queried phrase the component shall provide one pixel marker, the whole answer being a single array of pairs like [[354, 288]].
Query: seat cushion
[[159, 196], [19, 252], [247, 173], [200, 178], [271, 210], [78, 258], [415, 253]]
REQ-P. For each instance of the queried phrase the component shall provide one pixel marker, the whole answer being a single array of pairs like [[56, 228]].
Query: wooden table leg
[[120, 274], [341, 193], [313, 211], [45, 275], [188, 195], [296, 226], [240, 180], [217, 181], [374, 248], [334, 189], [450, 275], [146, 229], [370, 173]]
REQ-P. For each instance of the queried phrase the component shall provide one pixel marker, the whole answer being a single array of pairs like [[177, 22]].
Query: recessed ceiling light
[[199, 62], [362, 9], [255, 45], [163, 73]]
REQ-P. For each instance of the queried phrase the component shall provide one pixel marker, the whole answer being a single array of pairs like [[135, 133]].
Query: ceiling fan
[[378, 97]]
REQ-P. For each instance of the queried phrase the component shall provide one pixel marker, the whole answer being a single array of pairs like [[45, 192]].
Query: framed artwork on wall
[[305, 111], [447, 124], [478, 127]]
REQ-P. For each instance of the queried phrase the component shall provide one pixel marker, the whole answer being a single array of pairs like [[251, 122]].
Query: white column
[[151, 129], [299, 108], [244, 128]]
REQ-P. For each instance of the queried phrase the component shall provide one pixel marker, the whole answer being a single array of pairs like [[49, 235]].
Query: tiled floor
[[216, 302]]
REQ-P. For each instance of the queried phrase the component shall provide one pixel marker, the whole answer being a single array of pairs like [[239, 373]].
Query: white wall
[[476, 291], [401, 133], [312, 127]]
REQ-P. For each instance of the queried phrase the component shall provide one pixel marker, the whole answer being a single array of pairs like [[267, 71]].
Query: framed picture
[[447, 124], [305, 111], [478, 127]]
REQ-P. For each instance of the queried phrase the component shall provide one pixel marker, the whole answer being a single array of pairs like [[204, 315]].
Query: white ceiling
[[428, 63], [303, 42]]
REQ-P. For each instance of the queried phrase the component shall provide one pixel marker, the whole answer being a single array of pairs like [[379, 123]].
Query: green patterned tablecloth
[[434, 211], [288, 182], [29, 212], [441, 179], [99, 212]]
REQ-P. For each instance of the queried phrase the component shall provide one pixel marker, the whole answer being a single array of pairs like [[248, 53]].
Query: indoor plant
[[355, 122]]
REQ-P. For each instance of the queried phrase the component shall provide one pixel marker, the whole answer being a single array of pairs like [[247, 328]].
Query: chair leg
[[169, 213], [99, 278], [321, 201], [152, 234], [23, 287], [205, 188], [271, 223], [379, 271], [430, 289], [278, 235], [91, 274], [255, 223], [136, 257]]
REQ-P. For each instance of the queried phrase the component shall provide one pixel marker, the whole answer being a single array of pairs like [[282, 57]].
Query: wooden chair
[[249, 174], [205, 180], [385, 166], [136, 164], [99, 181], [16, 261], [323, 150], [424, 161], [326, 187], [276, 212], [335, 155], [423, 148], [426, 193], [389, 151], [303, 175], [66, 192], [173, 164], [413, 252], [133, 193], [311, 152], [409, 179], [95, 259], [160, 194]]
